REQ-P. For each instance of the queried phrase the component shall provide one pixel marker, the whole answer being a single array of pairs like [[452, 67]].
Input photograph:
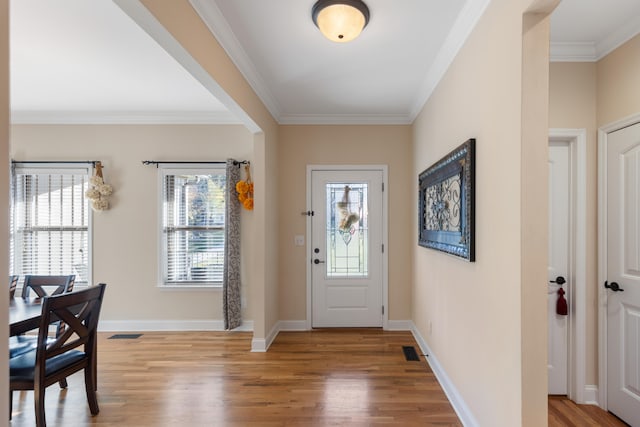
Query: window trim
[[165, 169], [26, 167]]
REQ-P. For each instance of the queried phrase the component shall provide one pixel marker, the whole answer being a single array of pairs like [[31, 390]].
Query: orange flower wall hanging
[[244, 188]]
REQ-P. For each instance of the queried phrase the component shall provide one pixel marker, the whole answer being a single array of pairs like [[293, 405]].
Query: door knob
[[317, 261], [559, 280], [613, 286]]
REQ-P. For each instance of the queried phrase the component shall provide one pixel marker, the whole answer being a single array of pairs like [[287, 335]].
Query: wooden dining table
[[24, 315]]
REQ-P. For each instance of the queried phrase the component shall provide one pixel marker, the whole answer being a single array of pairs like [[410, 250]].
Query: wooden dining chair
[[73, 351], [13, 284], [43, 286]]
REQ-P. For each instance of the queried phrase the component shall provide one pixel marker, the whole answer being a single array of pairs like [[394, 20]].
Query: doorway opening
[[575, 141]]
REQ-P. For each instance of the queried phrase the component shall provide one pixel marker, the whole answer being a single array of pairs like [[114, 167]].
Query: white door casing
[[354, 296], [621, 267], [559, 265], [576, 141]]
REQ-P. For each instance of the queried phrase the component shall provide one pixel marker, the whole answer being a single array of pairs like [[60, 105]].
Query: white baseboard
[[461, 408], [258, 345], [167, 325], [261, 345], [591, 395], [301, 325], [399, 325]]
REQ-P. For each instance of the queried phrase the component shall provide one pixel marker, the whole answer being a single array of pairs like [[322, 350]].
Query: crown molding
[[462, 28], [119, 117], [148, 22], [594, 51], [344, 119], [573, 52], [219, 27]]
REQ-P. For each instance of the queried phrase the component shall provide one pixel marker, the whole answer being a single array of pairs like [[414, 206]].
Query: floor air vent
[[125, 336], [410, 353]]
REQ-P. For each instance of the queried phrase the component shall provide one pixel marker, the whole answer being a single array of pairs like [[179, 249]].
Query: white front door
[[558, 268], [623, 274], [346, 245]]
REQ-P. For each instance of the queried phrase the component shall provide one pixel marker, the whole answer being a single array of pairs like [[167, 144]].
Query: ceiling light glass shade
[[340, 20]]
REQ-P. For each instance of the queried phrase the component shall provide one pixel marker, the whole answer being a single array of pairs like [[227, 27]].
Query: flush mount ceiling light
[[340, 20]]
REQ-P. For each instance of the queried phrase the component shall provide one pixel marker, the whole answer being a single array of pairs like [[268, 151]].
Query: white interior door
[[623, 274], [559, 226], [346, 245]]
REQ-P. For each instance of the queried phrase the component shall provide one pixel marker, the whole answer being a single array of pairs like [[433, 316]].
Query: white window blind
[[50, 221], [193, 221]]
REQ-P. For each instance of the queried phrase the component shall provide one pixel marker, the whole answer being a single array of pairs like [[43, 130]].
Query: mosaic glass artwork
[[446, 203], [347, 231], [443, 205]]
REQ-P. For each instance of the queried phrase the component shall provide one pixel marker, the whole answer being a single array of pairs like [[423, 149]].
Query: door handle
[[317, 261], [559, 280], [613, 286]]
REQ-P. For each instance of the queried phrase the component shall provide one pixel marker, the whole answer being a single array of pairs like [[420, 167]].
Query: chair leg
[[38, 397], [89, 386], [10, 403]]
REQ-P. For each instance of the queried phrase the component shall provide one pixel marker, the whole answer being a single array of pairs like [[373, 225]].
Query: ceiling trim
[[145, 19], [460, 31], [120, 117], [591, 51], [222, 31], [345, 119], [573, 52]]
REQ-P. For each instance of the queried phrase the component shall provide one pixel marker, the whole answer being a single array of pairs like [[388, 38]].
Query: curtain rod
[[93, 162], [156, 162]]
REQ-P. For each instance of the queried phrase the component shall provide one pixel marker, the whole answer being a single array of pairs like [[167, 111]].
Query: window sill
[[189, 287]]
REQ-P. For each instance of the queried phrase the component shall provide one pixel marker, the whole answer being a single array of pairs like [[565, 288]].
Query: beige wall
[[125, 238], [179, 18], [4, 195], [572, 105], [534, 158], [347, 145], [471, 313], [618, 88]]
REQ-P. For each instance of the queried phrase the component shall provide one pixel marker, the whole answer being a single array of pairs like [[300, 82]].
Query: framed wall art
[[446, 203]]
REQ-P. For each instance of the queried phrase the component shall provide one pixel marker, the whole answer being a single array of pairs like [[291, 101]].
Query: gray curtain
[[231, 277]]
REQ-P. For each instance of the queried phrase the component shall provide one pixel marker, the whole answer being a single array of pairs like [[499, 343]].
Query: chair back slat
[[80, 312], [44, 286], [13, 284]]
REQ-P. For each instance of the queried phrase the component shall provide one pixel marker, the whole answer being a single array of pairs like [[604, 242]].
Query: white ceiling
[[79, 61]]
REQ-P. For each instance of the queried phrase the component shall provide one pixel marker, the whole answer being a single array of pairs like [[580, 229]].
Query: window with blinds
[[193, 221], [50, 221]]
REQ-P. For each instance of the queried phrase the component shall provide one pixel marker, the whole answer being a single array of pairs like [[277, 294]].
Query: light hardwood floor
[[351, 377], [563, 412]]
